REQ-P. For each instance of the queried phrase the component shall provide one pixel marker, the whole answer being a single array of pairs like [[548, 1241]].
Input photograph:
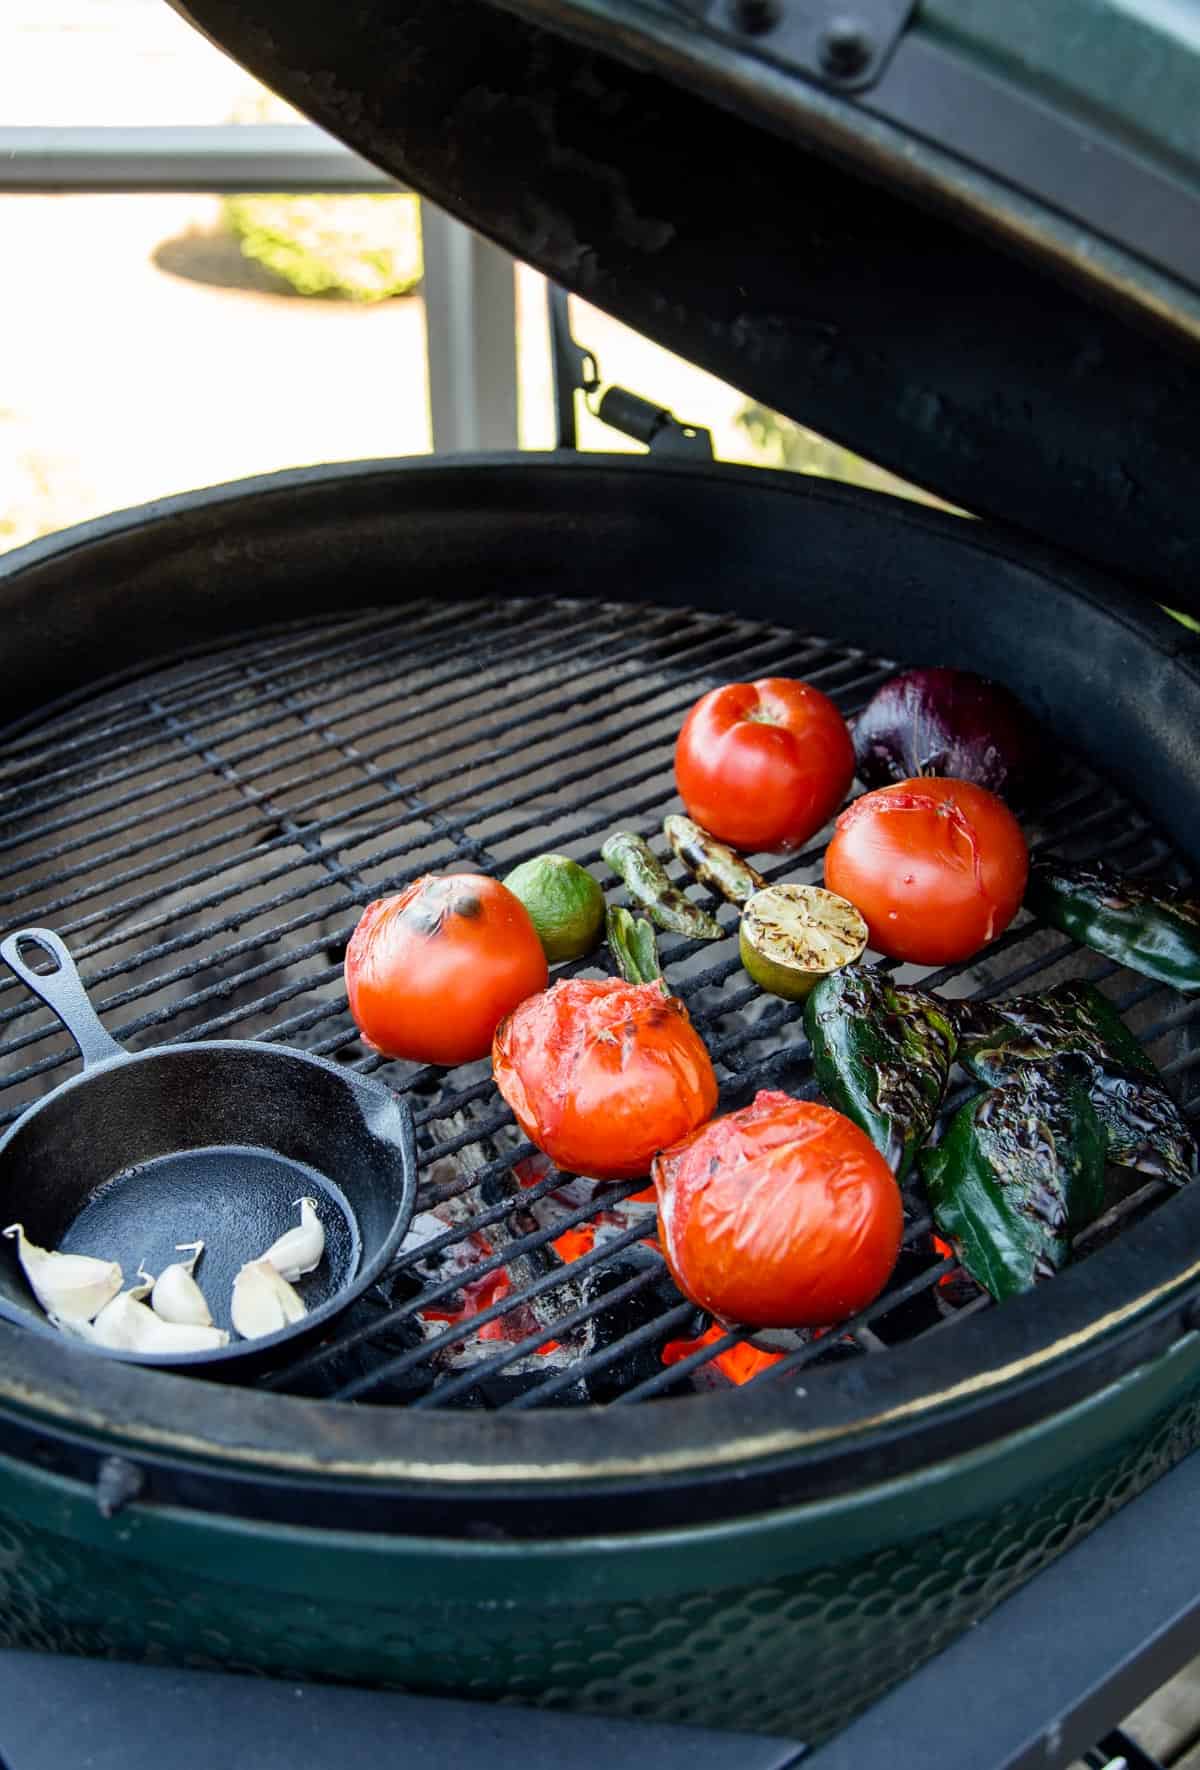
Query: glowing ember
[[945, 1252], [573, 1243], [738, 1362], [530, 1170]]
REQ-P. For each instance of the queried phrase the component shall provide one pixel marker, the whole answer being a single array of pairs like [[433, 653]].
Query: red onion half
[[945, 722]]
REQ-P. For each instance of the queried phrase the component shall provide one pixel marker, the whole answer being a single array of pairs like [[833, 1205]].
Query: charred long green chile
[[1144, 1127], [631, 941], [712, 863], [646, 881], [882, 1054], [1019, 1171], [1146, 924]]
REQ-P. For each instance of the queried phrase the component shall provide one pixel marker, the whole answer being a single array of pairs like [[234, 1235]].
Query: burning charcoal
[[919, 1312], [389, 1339], [610, 1325], [838, 1351]]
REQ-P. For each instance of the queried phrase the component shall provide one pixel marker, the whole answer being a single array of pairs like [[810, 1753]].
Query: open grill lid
[[962, 238]]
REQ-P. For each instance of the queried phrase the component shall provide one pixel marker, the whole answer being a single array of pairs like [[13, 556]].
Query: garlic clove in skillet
[[75, 1287], [128, 1325], [263, 1300], [176, 1296], [299, 1250]]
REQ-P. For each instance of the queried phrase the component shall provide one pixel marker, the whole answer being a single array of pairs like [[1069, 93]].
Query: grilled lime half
[[793, 935]]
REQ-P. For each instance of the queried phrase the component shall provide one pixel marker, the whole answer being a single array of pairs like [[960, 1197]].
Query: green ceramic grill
[[521, 1467]]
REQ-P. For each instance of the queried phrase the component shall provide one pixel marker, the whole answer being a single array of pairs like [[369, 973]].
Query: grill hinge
[[575, 370], [844, 46]]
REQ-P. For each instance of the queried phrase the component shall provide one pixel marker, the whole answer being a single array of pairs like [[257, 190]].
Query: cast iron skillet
[[208, 1141]]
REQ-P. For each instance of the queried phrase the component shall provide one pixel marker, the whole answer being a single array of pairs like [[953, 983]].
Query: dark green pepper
[[1071, 1020], [1019, 1171], [882, 1053], [1145, 1128], [1148, 925]]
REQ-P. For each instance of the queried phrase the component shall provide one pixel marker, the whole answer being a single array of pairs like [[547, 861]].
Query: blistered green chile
[[1018, 1173], [633, 946], [712, 863], [648, 884], [1145, 924], [882, 1055], [1144, 1127]]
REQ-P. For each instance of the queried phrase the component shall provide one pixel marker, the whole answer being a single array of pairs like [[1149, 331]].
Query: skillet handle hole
[[38, 958]]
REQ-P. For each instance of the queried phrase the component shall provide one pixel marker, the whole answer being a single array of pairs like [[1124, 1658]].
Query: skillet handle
[[62, 991]]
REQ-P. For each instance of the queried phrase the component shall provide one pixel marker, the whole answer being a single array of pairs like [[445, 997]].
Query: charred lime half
[[793, 935]]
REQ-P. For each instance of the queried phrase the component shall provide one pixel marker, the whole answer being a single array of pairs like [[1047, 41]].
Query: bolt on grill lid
[[961, 237]]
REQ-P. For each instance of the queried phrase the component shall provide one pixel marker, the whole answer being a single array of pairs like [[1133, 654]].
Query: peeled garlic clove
[[180, 1336], [121, 1323], [299, 1250], [75, 1287], [127, 1325], [177, 1297], [263, 1300]]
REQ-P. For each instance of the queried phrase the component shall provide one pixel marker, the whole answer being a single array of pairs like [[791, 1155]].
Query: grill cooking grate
[[206, 839]]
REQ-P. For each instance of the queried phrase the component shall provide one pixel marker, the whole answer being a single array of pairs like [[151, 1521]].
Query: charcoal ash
[[653, 1301]]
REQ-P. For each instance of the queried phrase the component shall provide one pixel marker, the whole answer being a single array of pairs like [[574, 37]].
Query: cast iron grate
[[206, 838]]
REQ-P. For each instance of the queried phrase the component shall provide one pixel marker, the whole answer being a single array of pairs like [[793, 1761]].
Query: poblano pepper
[[1144, 1127], [1070, 1020], [882, 1054], [1019, 1171], [1150, 926]]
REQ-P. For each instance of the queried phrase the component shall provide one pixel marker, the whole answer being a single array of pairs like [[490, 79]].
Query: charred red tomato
[[602, 1074], [936, 866], [764, 764], [432, 972], [781, 1215]]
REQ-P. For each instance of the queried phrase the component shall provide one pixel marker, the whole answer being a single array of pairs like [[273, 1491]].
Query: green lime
[[565, 904], [793, 935]]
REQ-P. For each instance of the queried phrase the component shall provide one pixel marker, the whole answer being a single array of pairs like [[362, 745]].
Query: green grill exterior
[[789, 1623]]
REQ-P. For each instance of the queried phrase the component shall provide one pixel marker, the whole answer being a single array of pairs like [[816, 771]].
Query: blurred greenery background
[[157, 343]]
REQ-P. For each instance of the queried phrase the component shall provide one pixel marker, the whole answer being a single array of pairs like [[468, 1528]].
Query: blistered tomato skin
[[431, 972], [603, 1074], [764, 764], [936, 866], [781, 1215]]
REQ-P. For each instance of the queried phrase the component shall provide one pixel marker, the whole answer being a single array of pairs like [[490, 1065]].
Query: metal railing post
[[470, 300], [471, 326]]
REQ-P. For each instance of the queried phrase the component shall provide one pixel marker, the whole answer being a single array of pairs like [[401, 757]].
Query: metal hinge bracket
[[575, 370], [842, 44]]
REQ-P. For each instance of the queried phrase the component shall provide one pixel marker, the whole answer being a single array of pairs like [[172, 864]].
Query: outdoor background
[[144, 352]]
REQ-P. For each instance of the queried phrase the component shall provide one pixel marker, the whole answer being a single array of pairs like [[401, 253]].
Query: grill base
[[798, 1651]]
